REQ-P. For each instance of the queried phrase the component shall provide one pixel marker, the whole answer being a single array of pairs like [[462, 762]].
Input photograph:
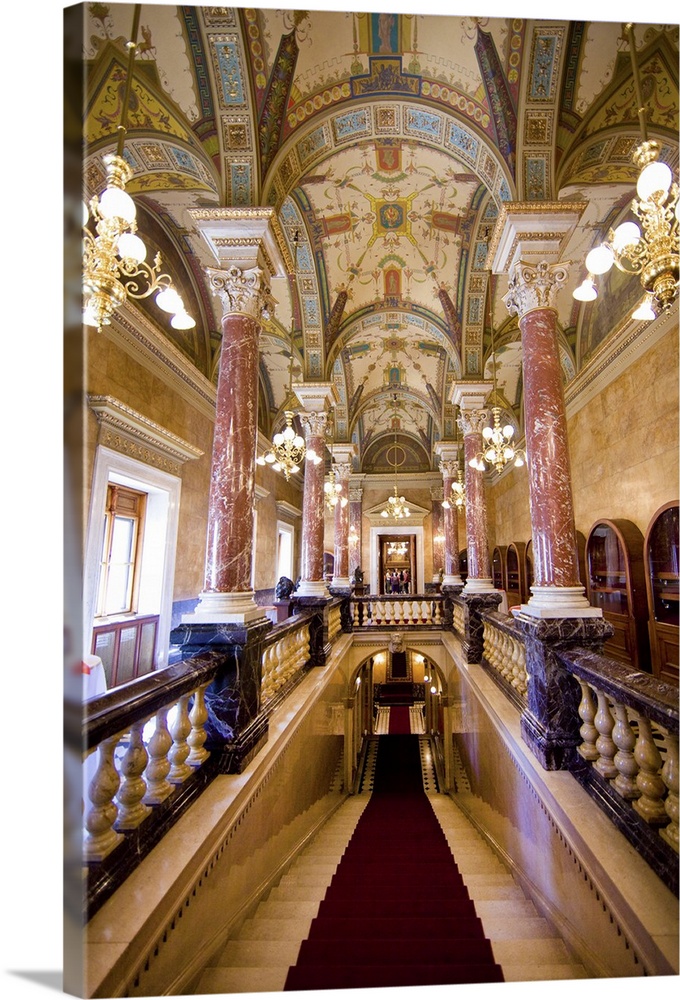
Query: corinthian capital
[[449, 469], [314, 423], [343, 470], [240, 291], [534, 286], [473, 421]]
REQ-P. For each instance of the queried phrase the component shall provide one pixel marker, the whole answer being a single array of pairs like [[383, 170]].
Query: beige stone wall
[[113, 372], [624, 452]]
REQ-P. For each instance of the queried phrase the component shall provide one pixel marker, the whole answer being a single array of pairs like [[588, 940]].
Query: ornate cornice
[[131, 433]]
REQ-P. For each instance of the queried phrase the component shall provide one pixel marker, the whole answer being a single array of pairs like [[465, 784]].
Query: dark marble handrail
[[640, 691], [115, 710]]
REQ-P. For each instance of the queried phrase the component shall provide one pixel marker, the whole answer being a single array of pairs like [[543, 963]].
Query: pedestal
[[319, 646], [474, 606], [235, 730], [550, 723]]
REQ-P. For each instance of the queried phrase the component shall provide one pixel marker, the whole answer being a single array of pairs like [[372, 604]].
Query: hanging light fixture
[[397, 548], [333, 491], [499, 448], [456, 498], [114, 260], [288, 447], [652, 253], [395, 507]]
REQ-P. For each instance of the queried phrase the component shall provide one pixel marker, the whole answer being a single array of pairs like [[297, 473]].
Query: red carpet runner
[[400, 720], [397, 912]]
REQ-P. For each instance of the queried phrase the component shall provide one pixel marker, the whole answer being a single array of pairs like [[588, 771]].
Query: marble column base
[[559, 602], [479, 585], [225, 608], [234, 726], [340, 585], [474, 605], [452, 580], [312, 588], [550, 723]]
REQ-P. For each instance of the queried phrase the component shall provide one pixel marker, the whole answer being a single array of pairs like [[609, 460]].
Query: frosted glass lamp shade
[[117, 204], [655, 179], [599, 260]]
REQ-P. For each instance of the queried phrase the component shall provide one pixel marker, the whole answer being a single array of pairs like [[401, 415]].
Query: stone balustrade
[[284, 659], [628, 753], [504, 651], [401, 610], [458, 617]]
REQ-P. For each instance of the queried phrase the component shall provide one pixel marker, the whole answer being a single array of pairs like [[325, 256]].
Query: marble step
[[538, 973], [268, 979]]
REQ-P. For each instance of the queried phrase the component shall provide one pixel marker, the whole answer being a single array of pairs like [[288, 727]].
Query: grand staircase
[[286, 927]]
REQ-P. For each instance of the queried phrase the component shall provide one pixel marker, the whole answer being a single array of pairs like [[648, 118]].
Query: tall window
[[284, 560], [120, 552]]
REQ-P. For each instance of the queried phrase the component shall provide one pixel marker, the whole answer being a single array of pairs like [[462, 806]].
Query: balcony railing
[[139, 755], [627, 757], [398, 610]]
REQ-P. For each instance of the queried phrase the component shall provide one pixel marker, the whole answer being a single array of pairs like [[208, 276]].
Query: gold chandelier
[[456, 498], [652, 253], [499, 448], [114, 260], [397, 548], [395, 507], [333, 491], [287, 452]]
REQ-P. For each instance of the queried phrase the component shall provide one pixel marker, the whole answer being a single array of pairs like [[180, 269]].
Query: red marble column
[[452, 578], [557, 590], [479, 564], [227, 594], [354, 535], [438, 540], [311, 562], [341, 560]]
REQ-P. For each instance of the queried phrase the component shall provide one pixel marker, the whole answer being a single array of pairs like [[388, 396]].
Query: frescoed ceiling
[[390, 143]]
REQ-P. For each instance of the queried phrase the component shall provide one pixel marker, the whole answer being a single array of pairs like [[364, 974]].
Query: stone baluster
[[131, 807], [101, 837], [198, 716], [650, 805], [606, 748], [669, 774], [623, 736], [586, 711], [157, 786], [179, 751]]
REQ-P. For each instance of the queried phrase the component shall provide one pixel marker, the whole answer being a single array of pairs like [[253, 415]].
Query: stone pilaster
[[312, 582], [355, 532]]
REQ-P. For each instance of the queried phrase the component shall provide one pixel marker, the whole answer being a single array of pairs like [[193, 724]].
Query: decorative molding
[[129, 432], [287, 511], [614, 356], [132, 331], [260, 494]]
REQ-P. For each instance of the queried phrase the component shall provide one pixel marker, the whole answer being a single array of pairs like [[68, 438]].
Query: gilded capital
[[534, 286], [240, 291], [343, 470], [449, 469], [314, 423], [473, 421]]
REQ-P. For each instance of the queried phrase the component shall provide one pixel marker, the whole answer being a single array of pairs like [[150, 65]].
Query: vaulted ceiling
[[391, 144]]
